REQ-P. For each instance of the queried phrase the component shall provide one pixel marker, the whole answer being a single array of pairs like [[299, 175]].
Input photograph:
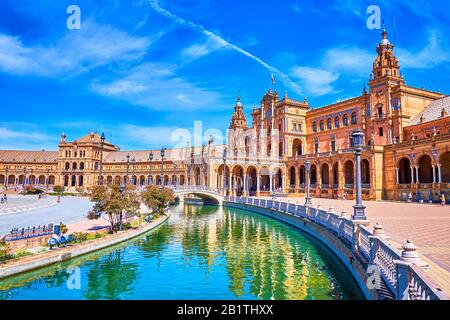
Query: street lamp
[[150, 178], [163, 152], [225, 171], [102, 141], [133, 178], [358, 138], [6, 176], [308, 195], [128, 165], [174, 178]]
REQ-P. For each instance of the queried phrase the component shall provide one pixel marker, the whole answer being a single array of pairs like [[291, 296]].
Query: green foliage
[[114, 205], [157, 199], [58, 189], [5, 251], [32, 190], [80, 237]]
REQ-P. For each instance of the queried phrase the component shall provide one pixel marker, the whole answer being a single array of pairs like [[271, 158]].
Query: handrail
[[375, 250]]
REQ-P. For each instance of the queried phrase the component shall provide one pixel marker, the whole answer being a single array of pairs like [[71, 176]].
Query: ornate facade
[[407, 148]]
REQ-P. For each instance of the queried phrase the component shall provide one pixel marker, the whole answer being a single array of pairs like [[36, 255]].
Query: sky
[[146, 72]]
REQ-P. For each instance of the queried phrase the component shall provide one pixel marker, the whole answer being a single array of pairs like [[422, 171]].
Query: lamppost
[[48, 177], [150, 178], [6, 176], [174, 179], [128, 165], [133, 178], [308, 195], [102, 142], [163, 152], [225, 171], [358, 213]]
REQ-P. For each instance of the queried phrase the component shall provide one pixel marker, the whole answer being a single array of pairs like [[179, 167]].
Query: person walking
[[443, 200]]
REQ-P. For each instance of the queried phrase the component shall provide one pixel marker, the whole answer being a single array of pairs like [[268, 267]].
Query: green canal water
[[200, 253]]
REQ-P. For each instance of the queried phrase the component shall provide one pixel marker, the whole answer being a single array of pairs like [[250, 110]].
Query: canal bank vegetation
[[157, 199], [117, 204]]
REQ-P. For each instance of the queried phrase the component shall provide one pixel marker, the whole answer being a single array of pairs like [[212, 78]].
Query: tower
[[383, 116]]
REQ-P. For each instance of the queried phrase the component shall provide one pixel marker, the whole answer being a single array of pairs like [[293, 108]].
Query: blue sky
[[138, 70]]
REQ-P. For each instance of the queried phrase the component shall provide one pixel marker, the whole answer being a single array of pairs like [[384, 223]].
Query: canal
[[200, 253]]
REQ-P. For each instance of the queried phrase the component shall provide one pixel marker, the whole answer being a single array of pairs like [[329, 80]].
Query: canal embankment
[[28, 263]]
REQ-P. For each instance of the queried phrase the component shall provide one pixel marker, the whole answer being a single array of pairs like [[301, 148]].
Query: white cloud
[[428, 57], [319, 81], [157, 86], [27, 138], [78, 51], [222, 42], [350, 59], [199, 50], [316, 81]]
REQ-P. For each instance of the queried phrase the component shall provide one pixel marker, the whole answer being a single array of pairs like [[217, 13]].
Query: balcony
[[349, 186]]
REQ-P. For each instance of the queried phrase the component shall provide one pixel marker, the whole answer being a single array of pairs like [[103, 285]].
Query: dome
[[385, 42]]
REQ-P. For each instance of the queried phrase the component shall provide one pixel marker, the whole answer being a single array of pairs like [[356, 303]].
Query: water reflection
[[201, 253]]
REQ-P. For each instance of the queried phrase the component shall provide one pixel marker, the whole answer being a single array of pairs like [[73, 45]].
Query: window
[[329, 124], [350, 141], [316, 145], [314, 125], [354, 118], [345, 120], [322, 126], [380, 112], [336, 122], [380, 132], [333, 143]]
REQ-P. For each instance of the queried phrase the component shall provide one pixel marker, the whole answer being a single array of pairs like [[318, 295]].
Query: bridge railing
[[197, 188], [403, 273]]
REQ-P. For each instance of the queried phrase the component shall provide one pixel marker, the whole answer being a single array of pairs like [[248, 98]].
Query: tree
[[157, 199], [113, 203]]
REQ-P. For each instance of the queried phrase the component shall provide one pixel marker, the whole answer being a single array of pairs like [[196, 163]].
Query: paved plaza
[[28, 211], [427, 226]]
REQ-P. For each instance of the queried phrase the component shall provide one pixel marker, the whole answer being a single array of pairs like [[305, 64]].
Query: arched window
[[354, 118], [314, 126], [74, 166], [67, 166], [322, 126], [329, 124], [345, 120], [336, 122], [82, 166]]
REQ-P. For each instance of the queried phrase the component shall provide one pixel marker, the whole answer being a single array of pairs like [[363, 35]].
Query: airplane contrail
[[284, 77]]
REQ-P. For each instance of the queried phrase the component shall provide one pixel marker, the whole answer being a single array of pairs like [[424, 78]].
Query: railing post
[[409, 257]]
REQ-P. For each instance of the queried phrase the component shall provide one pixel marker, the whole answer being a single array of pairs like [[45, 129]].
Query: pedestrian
[[410, 196], [443, 200], [5, 198]]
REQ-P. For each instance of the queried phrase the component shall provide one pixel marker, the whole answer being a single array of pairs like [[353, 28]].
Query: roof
[[142, 156], [433, 111], [28, 156]]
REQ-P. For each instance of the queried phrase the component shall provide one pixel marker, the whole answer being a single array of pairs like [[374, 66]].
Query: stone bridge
[[209, 195]]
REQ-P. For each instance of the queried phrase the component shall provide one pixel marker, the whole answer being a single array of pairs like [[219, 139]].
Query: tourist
[[443, 200], [410, 196]]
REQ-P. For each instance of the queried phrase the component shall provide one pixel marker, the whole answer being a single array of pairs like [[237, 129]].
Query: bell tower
[[238, 119], [383, 122]]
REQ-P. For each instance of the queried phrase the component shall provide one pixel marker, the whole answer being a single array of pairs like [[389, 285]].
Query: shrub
[[80, 237], [5, 251], [58, 189]]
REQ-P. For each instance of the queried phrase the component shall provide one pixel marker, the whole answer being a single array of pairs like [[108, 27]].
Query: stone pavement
[[20, 203], [427, 226], [69, 210]]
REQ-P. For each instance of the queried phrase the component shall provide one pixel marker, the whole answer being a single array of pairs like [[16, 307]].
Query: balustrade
[[400, 272]]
